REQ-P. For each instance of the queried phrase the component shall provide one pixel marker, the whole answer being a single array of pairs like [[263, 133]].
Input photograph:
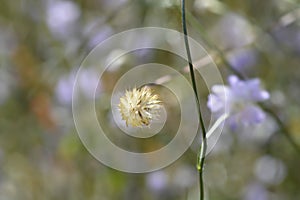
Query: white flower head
[[139, 106]]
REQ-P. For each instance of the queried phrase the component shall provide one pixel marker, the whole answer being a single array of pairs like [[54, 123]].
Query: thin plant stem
[[202, 152]]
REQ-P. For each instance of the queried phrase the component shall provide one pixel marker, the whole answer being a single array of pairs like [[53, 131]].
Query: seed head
[[139, 106]]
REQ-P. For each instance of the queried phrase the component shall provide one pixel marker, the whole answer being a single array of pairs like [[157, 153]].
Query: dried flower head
[[139, 106]]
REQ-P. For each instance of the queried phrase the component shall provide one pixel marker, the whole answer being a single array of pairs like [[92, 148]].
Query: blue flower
[[238, 99]]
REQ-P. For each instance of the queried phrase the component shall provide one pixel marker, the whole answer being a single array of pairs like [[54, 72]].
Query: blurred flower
[[233, 31], [97, 35], [256, 191], [242, 59], [157, 181], [87, 81], [139, 106], [270, 170], [64, 89], [61, 16], [239, 100]]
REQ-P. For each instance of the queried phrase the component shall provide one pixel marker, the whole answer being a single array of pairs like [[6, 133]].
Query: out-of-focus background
[[43, 42]]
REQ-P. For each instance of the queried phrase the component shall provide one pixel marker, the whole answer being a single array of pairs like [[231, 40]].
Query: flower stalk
[[202, 152]]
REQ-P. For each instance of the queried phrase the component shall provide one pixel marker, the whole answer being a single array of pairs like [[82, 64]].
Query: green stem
[[201, 155]]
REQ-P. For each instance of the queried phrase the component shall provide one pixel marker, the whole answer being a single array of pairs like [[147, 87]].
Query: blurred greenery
[[43, 42]]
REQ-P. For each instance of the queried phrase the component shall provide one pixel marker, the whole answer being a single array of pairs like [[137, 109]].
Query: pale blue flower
[[239, 100], [247, 90]]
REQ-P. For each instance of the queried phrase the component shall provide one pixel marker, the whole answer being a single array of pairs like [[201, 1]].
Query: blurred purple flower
[[233, 31], [64, 89], [97, 34], [247, 90], [242, 59], [238, 99], [87, 81], [61, 16], [256, 191], [157, 181]]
